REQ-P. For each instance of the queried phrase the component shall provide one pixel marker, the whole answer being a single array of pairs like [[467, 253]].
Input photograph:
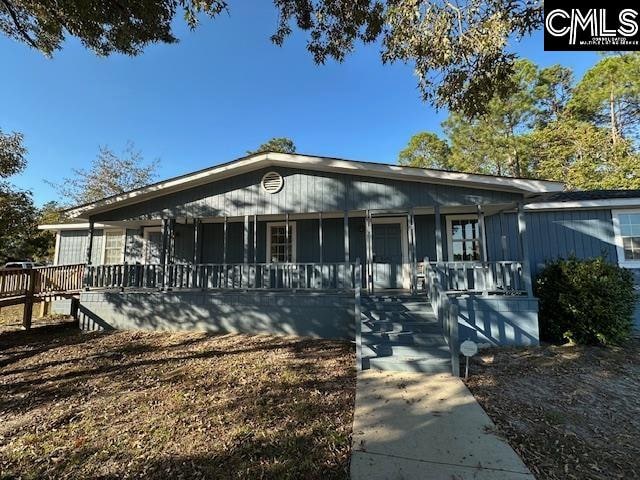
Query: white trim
[[145, 243], [605, 203], [316, 163], [292, 237], [123, 234], [70, 226], [56, 251], [404, 245], [483, 240], [618, 238]]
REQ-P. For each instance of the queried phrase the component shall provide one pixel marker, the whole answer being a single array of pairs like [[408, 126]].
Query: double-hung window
[[463, 234], [113, 247], [627, 229], [281, 247]]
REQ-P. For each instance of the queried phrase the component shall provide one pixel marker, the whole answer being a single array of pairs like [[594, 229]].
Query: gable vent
[[272, 182]]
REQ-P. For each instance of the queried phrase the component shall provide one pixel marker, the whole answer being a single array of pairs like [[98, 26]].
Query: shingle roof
[[582, 195]]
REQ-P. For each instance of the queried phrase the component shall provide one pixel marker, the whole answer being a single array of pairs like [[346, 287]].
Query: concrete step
[[400, 327], [397, 307], [399, 316], [406, 352], [403, 338], [394, 365]]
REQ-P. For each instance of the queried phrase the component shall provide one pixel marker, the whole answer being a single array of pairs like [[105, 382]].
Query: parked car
[[19, 265]]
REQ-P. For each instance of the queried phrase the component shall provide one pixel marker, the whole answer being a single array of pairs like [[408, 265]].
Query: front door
[[387, 255], [154, 247]]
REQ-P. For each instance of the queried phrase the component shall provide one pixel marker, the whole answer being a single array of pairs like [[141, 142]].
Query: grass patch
[[173, 405]]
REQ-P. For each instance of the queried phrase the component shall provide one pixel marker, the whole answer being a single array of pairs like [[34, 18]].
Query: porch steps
[[400, 333]]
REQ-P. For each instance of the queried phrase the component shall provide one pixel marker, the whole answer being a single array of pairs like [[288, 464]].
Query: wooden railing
[[500, 277], [41, 280], [211, 276], [445, 309]]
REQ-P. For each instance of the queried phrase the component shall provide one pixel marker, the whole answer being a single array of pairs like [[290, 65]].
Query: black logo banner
[[570, 25]]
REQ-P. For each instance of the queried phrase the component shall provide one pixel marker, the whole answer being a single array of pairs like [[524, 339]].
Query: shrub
[[585, 301]]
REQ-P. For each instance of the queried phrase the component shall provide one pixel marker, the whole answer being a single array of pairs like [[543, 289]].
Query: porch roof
[[253, 162]]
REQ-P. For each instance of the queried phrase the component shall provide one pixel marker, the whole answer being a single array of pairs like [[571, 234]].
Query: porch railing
[[445, 308], [499, 277], [210, 276], [41, 280]]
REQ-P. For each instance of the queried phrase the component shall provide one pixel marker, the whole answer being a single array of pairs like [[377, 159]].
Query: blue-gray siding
[[303, 191], [73, 247], [553, 234]]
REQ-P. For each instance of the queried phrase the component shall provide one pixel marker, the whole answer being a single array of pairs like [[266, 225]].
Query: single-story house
[[299, 244]]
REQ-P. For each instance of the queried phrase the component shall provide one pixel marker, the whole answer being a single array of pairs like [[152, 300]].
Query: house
[[299, 244]]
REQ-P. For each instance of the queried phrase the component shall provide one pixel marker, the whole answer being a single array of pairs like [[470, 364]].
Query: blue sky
[[222, 90]]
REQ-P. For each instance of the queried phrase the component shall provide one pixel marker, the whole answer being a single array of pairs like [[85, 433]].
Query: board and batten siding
[[553, 234], [303, 191], [72, 247]]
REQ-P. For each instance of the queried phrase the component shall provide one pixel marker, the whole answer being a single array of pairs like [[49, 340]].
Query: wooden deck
[[40, 284]]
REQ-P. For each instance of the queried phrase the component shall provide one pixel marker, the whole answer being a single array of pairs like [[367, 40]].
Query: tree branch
[[18, 25]]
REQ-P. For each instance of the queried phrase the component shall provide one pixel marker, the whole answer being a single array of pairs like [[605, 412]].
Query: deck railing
[[446, 310], [499, 277], [212, 276], [41, 280]]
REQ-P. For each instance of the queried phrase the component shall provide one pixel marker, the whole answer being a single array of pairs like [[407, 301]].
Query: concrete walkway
[[425, 426]]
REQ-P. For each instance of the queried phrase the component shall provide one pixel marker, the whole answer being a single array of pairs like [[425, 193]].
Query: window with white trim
[[280, 247], [628, 236], [113, 247], [464, 238]]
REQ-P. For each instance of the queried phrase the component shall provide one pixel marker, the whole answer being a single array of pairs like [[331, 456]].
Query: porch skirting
[[498, 320], [321, 314]]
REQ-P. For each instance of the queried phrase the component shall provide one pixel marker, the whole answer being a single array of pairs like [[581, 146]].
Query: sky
[[224, 89]]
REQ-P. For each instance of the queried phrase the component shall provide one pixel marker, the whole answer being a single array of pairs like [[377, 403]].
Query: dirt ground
[[570, 412], [172, 405]]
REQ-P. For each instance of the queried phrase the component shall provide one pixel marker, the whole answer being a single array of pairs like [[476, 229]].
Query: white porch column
[[481, 234], [412, 250], [89, 252], [196, 250], [245, 256], [369, 249], [524, 248], [438, 220]]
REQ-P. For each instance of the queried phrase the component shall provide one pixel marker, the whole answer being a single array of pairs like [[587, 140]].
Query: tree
[[12, 154], [458, 64], [426, 150], [108, 175], [276, 144], [609, 95], [19, 235], [547, 128]]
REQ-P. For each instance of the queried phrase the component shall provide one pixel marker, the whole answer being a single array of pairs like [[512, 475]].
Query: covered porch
[[385, 249]]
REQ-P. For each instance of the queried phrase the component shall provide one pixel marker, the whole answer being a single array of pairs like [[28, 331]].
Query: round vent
[[272, 182]]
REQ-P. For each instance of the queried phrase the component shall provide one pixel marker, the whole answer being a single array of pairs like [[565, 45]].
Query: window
[[113, 247], [279, 248], [627, 229], [463, 233]]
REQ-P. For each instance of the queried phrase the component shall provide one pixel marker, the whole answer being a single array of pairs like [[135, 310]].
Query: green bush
[[585, 301]]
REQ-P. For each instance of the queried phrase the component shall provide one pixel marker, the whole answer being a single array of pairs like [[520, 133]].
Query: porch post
[[196, 250], [89, 253], [286, 250], [347, 276], [524, 248], [224, 253], [438, 220], [503, 239], [245, 266], [412, 251], [321, 249], [369, 249], [481, 233], [163, 257]]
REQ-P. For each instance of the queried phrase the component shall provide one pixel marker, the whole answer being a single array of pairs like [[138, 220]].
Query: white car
[[18, 265]]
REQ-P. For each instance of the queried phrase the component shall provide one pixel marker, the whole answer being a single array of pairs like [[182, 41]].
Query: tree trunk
[[614, 121]]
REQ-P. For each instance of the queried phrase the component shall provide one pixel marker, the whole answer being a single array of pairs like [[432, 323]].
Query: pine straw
[[570, 412], [173, 405]]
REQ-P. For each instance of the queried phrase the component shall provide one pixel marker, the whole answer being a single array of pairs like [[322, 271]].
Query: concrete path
[[425, 426]]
